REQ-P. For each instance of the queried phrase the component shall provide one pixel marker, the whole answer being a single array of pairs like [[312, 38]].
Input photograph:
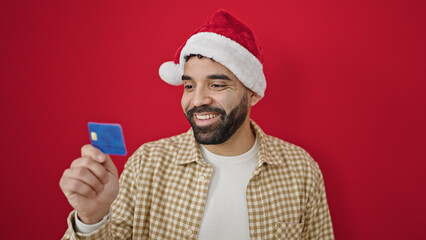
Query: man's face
[[215, 102]]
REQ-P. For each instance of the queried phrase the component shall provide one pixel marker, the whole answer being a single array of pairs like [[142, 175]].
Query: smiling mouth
[[205, 116]]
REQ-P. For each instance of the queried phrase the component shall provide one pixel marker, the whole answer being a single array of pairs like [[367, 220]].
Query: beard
[[220, 131]]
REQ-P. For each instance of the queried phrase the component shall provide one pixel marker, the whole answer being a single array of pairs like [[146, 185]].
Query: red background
[[346, 81]]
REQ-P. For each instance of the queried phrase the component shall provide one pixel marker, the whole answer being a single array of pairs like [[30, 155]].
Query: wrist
[[81, 227], [93, 218]]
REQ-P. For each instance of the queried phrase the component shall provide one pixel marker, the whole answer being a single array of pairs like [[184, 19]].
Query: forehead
[[201, 67]]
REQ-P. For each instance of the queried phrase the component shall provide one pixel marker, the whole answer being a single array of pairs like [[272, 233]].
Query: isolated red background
[[346, 81]]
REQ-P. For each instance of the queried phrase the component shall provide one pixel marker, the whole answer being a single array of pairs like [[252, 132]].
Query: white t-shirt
[[225, 215]]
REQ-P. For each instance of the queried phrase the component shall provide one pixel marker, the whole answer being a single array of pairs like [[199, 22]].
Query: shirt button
[[201, 178], [188, 232]]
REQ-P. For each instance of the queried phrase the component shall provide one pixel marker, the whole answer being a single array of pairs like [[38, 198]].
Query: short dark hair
[[199, 56]]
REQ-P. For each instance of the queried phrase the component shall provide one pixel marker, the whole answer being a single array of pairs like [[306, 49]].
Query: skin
[[91, 182], [207, 82]]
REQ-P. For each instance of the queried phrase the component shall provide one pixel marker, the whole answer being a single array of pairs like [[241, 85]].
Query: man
[[223, 179]]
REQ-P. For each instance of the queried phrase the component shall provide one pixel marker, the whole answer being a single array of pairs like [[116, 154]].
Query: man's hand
[[90, 184]]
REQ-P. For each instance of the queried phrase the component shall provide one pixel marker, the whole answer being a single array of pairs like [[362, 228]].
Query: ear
[[254, 98]]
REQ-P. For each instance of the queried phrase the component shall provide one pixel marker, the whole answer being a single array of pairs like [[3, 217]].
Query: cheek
[[184, 101], [227, 103]]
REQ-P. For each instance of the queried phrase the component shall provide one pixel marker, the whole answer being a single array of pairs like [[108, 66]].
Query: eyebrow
[[185, 77], [212, 76], [218, 76]]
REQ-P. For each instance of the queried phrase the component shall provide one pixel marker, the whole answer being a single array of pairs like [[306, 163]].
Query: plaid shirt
[[163, 191]]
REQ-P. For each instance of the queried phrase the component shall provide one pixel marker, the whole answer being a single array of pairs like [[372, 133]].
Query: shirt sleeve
[[101, 233], [317, 217], [81, 227]]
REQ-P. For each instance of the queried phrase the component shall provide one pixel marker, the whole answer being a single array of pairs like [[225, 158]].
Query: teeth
[[204, 117]]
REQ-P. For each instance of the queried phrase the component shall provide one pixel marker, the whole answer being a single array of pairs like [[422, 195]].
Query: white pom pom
[[171, 73]]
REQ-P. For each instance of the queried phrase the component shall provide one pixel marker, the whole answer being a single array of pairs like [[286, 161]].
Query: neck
[[239, 143]]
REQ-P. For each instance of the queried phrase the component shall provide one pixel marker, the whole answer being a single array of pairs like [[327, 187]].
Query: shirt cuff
[[81, 227]]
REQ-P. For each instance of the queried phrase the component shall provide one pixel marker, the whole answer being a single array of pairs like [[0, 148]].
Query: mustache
[[205, 108]]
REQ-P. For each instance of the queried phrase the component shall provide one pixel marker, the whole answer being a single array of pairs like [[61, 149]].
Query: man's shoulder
[[280, 144], [289, 155]]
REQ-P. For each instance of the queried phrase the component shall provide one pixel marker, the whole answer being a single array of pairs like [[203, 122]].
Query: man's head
[[215, 102], [222, 82]]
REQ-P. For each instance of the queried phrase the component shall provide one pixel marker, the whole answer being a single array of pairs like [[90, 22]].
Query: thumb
[[110, 166]]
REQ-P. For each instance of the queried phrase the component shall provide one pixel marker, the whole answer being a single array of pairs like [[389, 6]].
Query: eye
[[188, 86], [216, 85]]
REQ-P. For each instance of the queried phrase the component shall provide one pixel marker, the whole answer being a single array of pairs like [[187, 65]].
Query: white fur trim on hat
[[171, 73], [240, 61]]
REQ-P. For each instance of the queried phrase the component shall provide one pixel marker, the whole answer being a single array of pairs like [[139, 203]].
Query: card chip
[[94, 136]]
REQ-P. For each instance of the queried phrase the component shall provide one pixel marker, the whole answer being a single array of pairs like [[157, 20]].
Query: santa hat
[[227, 41]]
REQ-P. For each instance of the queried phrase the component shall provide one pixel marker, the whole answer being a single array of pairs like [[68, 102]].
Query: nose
[[201, 97]]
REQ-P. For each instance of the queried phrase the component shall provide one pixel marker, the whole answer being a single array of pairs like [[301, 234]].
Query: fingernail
[[101, 157]]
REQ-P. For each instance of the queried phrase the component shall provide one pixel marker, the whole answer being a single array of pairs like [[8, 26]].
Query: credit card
[[108, 137]]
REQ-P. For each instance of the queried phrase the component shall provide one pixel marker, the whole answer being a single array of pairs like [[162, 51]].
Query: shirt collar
[[266, 154], [189, 149]]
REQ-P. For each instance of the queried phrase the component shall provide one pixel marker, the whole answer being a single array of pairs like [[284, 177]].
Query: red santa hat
[[227, 41]]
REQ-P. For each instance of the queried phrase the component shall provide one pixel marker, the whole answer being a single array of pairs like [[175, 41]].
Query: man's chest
[[274, 199]]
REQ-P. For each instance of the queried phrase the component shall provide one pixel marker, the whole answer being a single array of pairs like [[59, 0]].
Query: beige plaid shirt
[[163, 191]]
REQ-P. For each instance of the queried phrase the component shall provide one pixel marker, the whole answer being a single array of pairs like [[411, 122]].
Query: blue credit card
[[108, 137]]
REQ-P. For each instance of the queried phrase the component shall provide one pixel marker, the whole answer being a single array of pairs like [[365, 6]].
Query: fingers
[[74, 186], [96, 168], [86, 177], [97, 155], [89, 150], [81, 180], [110, 166]]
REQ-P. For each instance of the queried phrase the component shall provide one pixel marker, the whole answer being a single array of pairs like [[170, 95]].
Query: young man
[[223, 179]]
